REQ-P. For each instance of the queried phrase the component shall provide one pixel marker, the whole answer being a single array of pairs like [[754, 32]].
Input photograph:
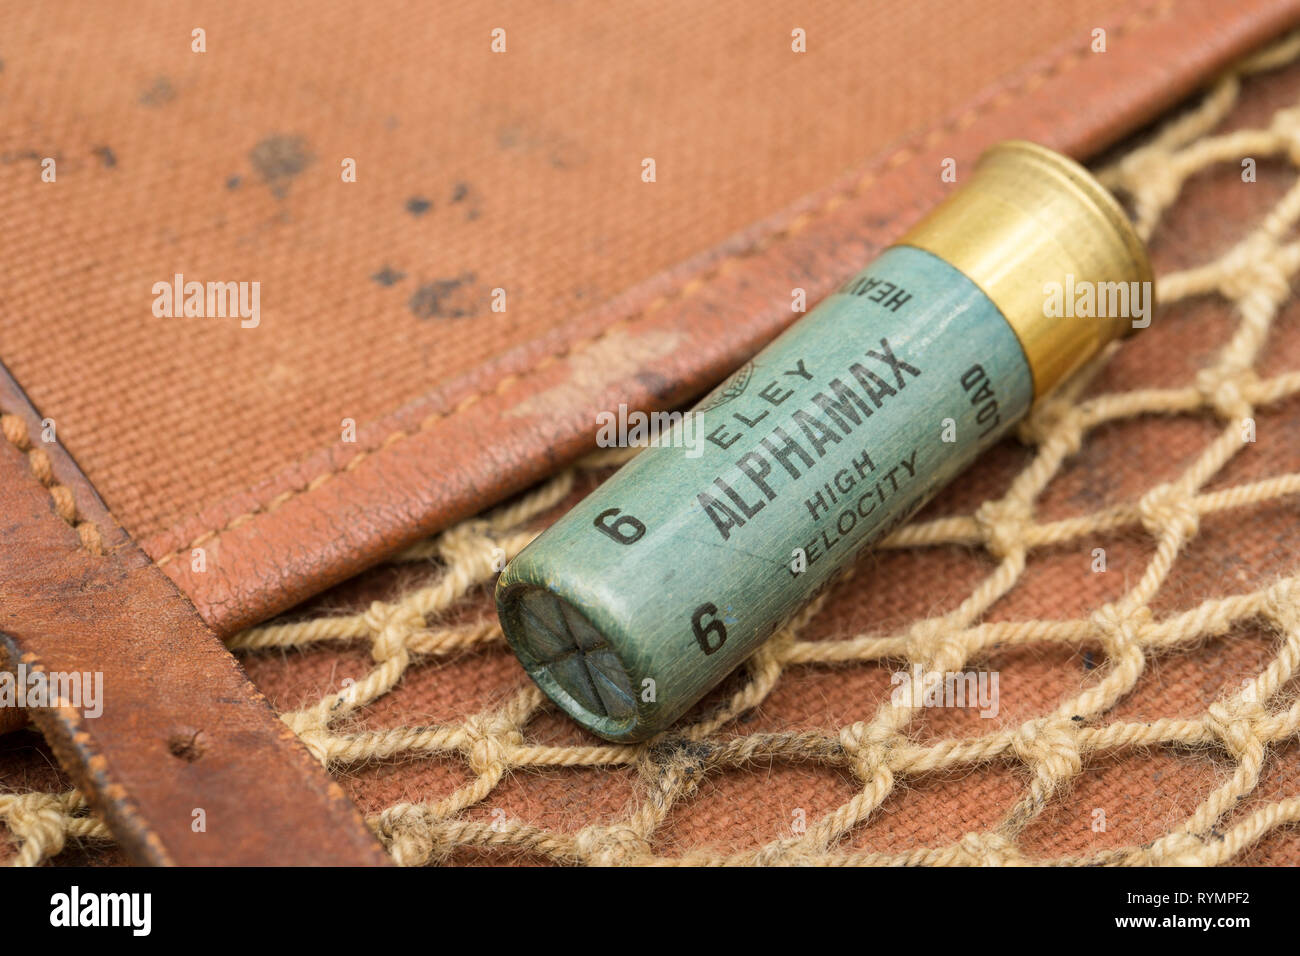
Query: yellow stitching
[[65, 504]]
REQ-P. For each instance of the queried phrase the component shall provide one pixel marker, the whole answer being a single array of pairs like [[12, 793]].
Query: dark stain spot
[[418, 205], [459, 192], [278, 159], [564, 153], [388, 276], [31, 154], [554, 148], [1088, 662], [444, 299], [233, 182], [677, 751], [656, 384], [106, 156], [159, 93], [472, 215]]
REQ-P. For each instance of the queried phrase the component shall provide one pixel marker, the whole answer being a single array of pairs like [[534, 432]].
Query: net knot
[[1054, 419], [1282, 605], [1150, 178], [1224, 390], [1233, 722], [39, 818], [469, 548], [405, 828], [487, 745], [785, 851], [868, 745], [1286, 123], [392, 626], [1050, 745], [1119, 627], [610, 845], [1169, 507], [987, 849], [935, 643], [1003, 524], [1254, 275], [1177, 849]]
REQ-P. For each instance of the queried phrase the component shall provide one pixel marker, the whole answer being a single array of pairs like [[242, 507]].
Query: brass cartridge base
[[1030, 222]]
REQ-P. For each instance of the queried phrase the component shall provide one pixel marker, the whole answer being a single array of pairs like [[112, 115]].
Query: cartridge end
[[1052, 248], [569, 659]]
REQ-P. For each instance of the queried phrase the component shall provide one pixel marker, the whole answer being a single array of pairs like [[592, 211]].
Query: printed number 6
[[625, 530], [704, 631]]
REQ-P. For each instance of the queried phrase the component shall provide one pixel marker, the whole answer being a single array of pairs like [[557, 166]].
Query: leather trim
[[181, 727]]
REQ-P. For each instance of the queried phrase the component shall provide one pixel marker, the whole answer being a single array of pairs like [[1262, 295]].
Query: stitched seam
[[1028, 84], [65, 503]]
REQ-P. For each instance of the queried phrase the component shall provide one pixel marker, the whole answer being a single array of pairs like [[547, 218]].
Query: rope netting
[[1253, 277]]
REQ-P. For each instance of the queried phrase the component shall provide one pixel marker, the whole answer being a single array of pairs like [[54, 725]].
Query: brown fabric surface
[[1144, 793], [226, 166], [476, 171]]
